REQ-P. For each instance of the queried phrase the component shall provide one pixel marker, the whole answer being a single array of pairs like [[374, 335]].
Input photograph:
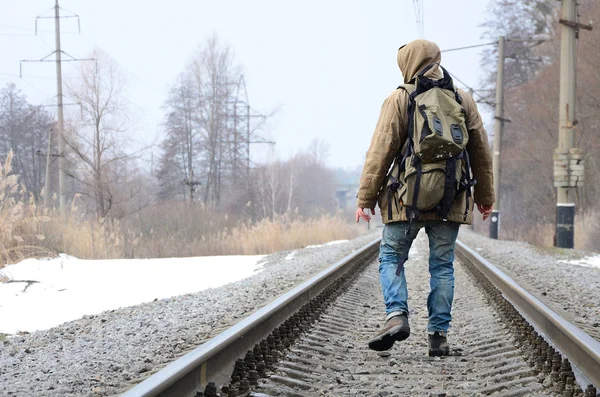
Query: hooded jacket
[[391, 134]]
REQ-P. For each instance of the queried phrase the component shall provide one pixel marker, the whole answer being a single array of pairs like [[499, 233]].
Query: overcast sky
[[327, 64]]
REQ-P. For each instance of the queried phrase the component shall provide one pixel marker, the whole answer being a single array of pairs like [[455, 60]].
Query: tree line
[[204, 156], [527, 194]]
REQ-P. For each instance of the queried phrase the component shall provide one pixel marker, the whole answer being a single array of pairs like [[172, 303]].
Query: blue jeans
[[393, 252]]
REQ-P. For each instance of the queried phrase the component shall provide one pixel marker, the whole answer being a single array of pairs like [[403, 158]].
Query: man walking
[[400, 203]]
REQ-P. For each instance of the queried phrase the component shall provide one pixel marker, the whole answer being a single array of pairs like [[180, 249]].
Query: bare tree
[[529, 140], [215, 72], [302, 184], [24, 129], [98, 144], [207, 128], [180, 147], [528, 25]]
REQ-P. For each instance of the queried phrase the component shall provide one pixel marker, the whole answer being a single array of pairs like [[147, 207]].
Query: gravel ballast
[[104, 354], [332, 358], [570, 290]]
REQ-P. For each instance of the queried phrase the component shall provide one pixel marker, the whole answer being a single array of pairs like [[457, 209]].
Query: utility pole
[[240, 119], [568, 160], [61, 137], [62, 164], [246, 115], [498, 124]]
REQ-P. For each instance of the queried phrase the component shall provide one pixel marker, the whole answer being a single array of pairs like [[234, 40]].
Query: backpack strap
[[406, 150], [466, 183], [393, 188], [449, 188], [425, 83]]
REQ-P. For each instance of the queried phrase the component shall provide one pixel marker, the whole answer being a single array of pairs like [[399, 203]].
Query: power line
[[28, 76], [419, 16], [26, 30], [31, 35], [35, 88], [143, 83], [469, 46], [45, 42], [16, 35], [15, 27], [536, 43], [482, 99]]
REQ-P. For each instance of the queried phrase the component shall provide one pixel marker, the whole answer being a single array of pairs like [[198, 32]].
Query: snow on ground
[[43, 293], [292, 254], [336, 242], [590, 261]]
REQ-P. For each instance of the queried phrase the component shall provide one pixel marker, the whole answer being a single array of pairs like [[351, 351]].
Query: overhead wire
[[469, 46], [482, 99], [16, 27], [418, 9], [38, 89]]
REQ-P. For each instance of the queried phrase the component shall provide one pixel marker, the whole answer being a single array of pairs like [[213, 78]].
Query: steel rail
[[214, 360], [582, 350]]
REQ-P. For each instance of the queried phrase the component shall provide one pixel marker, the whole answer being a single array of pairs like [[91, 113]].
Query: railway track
[[312, 342]]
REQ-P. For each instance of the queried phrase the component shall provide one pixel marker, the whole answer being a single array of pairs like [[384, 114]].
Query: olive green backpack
[[433, 167]]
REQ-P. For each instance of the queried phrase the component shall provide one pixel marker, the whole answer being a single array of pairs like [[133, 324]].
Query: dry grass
[[221, 236], [587, 231], [286, 233], [19, 222], [541, 234], [87, 237], [164, 230], [113, 239], [175, 229]]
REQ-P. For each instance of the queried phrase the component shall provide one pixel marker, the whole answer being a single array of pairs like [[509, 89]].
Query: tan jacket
[[390, 136]]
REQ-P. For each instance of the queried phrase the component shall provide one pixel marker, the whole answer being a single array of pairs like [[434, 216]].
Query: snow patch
[[260, 266], [590, 261], [43, 293], [290, 256], [336, 242]]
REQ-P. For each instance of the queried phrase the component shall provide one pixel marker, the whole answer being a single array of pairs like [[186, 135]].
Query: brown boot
[[438, 344], [395, 329]]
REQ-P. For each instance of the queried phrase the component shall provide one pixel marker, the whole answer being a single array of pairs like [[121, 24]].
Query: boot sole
[[438, 353], [386, 341]]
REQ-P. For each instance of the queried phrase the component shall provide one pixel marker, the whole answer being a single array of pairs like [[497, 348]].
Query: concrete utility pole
[[61, 138], [62, 173], [568, 160], [499, 123]]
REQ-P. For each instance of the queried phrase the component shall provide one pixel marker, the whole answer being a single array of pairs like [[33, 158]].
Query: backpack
[[433, 167]]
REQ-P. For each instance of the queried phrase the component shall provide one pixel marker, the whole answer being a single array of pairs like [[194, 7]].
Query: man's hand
[[486, 210], [360, 213]]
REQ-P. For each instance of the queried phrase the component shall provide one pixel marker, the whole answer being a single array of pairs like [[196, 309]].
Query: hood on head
[[415, 56]]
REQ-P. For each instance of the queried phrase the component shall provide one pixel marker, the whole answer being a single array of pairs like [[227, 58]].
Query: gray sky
[[328, 64]]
